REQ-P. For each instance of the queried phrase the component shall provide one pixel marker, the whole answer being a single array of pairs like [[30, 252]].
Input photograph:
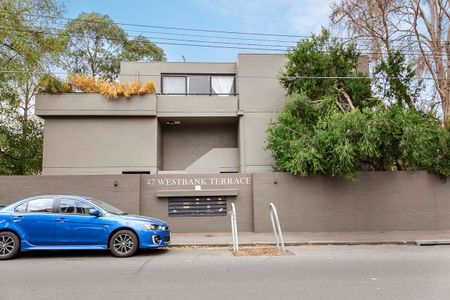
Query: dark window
[[197, 206], [73, 206], [38, 206], [135, 172], [199, 85]]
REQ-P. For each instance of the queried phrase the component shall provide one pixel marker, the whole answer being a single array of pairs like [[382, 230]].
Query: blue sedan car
[[58, 222]]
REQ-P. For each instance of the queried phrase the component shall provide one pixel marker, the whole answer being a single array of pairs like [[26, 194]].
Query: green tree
[[20, 144], [141, 49], [395, 80], [96, 45], [335, 127], [311, 138], [27, 50], [25, 36], [321, 66]]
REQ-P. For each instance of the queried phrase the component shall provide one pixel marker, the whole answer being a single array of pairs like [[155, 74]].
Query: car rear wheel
[[124, 243], [9, 245]]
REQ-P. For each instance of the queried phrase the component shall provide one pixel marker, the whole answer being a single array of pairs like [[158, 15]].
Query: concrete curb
[[305, 243], [432, 242]]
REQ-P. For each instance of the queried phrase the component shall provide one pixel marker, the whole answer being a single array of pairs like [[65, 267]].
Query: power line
[[214, 37], [217, 45], [221, 47], [191, 29], [288, 42], [260, 47], [166, 27], [211, 36], [214, 42], [237, 76], [184, 28]]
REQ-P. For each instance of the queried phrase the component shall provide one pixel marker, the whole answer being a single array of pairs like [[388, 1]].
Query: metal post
[[276, 227], [234, 231]]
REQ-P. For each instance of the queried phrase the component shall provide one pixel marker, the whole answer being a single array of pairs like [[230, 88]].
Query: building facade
[[204, 118], [198, 144]]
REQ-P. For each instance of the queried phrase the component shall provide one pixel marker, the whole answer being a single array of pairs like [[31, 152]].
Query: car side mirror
[[95, 212]]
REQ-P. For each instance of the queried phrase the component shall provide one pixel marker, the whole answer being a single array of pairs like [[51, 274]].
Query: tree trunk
[[446, 108]]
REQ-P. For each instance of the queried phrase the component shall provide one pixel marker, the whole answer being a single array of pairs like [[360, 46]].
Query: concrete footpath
[[223, 239]]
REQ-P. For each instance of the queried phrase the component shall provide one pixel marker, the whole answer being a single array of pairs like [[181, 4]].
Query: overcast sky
[[290, 17]]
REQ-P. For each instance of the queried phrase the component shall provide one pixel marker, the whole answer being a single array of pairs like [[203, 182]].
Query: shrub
[[316, 138], [87, 84], [53, 85]]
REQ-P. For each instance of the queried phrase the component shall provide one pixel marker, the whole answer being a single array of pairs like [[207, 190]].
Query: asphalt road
[[339, 272]]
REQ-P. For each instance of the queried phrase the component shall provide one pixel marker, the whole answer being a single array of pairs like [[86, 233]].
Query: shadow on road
[[84, 253]]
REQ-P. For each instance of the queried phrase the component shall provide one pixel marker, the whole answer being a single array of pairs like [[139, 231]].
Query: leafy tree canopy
[[321, 66], [336, 127], [141, 49], [25, 38], [395, 80], [96, 45], [20, 144], [27, 50], [312, 138]]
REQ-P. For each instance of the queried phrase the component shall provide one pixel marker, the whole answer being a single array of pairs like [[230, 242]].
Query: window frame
[[210, 75], [175, 75], [34, 199], [58, 207]]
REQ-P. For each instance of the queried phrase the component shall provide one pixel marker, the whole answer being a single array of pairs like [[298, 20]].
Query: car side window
[[73, 206], [44, 205], [22, 208]]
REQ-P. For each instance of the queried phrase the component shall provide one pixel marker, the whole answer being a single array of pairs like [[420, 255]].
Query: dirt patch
[[261, 251]]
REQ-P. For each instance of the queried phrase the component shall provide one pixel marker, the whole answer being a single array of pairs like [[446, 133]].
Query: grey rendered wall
[[90, 104], [93, 145], [197, 106], [377, 201], [135, 194], [125, 195], [184, 144], [261, 98], [217, 160], [153, 206], [159, 146]]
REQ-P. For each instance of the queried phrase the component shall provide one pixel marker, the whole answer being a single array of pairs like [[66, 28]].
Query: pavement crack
[[142, 266]]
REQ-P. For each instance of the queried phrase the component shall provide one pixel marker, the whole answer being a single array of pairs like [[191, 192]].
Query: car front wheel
[[124, 243], [9, 245]]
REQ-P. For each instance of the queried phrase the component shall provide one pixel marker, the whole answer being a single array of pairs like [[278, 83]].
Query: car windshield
[[107, 207]]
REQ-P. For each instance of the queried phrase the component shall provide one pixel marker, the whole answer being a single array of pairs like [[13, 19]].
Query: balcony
[[197, 106], [85, 104]]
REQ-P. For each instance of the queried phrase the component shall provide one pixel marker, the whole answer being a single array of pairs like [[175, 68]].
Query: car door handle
[[60, 220], [17, 218]]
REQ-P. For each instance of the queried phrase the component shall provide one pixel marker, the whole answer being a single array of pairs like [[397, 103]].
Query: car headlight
[[151, 227]]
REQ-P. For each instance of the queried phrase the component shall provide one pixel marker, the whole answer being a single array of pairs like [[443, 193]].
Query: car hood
[[143, 219]]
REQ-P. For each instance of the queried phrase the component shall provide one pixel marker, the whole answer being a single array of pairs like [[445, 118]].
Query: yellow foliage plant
[[111, 89]]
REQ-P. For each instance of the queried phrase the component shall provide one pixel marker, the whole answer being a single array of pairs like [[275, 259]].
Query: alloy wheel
[[7, 245], [123, 243]]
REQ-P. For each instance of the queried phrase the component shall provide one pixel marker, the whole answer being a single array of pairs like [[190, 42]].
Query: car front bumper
[[155, 239]]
